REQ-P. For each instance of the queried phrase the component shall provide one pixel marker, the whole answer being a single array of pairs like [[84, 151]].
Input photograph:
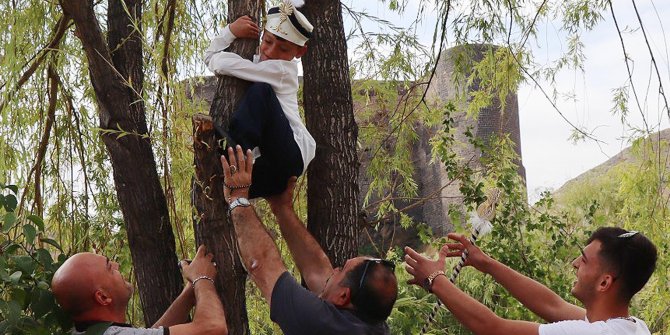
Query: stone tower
[[492, 120]]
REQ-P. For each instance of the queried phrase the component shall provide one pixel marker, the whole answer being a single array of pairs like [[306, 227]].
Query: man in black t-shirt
[[353, 299]]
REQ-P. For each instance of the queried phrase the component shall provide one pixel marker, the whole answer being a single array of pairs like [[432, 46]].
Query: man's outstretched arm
[[179, 310], [257, 249], [312, 261], [535, 296], [209, 317], [469, 312]]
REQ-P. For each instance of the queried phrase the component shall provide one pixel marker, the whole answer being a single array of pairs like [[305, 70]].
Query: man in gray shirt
[[91, 290], [353, 299]]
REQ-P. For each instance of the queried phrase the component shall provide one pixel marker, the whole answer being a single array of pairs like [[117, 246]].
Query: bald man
[[91, 290]]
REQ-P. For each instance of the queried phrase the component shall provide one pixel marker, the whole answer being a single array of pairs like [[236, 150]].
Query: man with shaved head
[[93, 292]]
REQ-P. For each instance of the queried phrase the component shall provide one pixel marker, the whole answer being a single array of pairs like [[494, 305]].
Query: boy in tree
[[267, 120]]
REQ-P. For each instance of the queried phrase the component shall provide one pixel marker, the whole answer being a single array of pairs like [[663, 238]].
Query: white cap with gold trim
[[287, 22]]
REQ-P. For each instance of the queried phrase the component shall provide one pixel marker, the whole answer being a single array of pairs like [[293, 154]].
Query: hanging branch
[[530, 27], [630, 73], [44, 142], [80, 143], [163, 95], [553, 104], [653, 59], [59, 31], [422, 101]]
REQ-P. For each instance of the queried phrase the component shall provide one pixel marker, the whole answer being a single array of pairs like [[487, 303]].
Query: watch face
[[243, 201]]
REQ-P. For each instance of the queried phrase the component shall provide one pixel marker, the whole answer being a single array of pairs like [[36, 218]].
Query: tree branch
[[59, 31]]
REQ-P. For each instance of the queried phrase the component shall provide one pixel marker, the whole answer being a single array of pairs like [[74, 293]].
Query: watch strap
[[239, 202], [431, 279]]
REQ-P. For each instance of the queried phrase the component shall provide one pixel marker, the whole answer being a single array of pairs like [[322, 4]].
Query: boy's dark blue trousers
[[259, 121]]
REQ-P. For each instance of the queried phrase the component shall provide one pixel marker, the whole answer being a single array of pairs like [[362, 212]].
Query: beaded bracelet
[[201, 277], [232, 187]]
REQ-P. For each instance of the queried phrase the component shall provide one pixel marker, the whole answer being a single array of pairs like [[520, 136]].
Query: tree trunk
[[213, 227], [332, 186], [118, 90]]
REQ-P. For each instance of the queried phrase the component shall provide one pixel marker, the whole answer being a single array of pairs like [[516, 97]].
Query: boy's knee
[[260, 90]]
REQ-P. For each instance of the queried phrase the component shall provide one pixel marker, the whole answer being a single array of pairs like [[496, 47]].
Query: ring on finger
[[233, 169]]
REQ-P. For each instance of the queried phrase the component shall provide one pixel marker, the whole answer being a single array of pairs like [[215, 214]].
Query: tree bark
[[332, 186], [117, 77], [212, 226]]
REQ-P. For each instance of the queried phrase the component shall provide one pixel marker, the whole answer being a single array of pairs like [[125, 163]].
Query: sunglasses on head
[[628, 234], [383, 262]]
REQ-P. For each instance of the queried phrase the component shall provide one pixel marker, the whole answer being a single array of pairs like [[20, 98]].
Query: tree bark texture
[[117, 77], [332, 186], [212, 226]]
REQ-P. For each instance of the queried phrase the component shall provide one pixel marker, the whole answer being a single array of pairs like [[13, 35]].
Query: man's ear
[[343, 298], [102, 298], [606, 282], [301, 51]]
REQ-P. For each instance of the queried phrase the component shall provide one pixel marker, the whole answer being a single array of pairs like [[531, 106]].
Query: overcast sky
[[549, 157]]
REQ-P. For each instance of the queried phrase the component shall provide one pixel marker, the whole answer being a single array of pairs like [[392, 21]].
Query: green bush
[[27, 264]]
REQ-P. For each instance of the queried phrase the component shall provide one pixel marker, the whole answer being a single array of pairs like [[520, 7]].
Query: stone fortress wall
[[429, 176]]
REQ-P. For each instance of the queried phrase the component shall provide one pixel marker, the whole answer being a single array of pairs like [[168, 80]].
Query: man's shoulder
[[117, 330], [124, 330], [300, 311], [618, 326]]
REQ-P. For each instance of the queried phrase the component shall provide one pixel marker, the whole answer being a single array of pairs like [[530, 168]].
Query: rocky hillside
[[624, 156]]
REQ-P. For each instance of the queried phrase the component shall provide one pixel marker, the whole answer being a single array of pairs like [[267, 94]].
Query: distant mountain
[[626, 155]]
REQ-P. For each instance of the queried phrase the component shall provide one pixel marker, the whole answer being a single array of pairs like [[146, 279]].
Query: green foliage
[[28, 260], [534, 241], [633, 195], [73, 191]]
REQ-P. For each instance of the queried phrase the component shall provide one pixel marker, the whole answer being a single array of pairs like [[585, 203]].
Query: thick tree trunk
[[332, 188], [121, 109], [212, 226]]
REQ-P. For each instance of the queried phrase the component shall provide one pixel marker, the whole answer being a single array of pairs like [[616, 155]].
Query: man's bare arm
[[209, 317], [470, 312], [312, 261], [535, 296], [179, 310], [258, 251]]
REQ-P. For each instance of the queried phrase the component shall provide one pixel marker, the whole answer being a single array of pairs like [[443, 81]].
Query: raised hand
[[285, 199], [237, 173], [476, 258], [200, 266], [421, 267], [245, 27]]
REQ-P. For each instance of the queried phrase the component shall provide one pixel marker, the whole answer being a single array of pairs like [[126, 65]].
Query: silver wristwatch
[[239, 202]]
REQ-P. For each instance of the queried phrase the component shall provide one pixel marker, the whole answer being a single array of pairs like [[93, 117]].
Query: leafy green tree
[[26, 267]]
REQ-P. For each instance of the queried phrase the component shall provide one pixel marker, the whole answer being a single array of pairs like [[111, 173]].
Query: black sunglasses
[[384, 262]]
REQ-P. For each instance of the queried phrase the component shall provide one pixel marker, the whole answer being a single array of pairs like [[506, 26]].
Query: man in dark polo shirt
[[91, 290], [353, 299]]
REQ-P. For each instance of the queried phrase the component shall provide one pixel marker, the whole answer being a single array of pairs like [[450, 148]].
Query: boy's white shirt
[[280, 74], [584, 327]]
